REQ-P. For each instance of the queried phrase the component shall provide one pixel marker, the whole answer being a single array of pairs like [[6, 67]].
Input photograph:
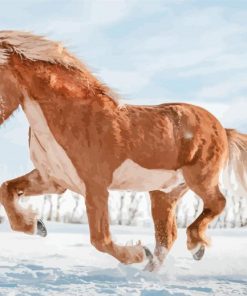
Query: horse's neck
[[67, 115], [10, 94], [69, 100]]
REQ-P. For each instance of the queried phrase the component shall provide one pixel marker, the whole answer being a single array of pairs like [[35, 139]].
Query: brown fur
[[164, 217], [86, 121]]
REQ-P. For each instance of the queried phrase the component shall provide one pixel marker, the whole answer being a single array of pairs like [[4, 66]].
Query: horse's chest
[[52, 162], [47, 155]]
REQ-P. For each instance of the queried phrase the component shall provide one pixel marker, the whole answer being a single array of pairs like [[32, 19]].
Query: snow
[[65, 263]]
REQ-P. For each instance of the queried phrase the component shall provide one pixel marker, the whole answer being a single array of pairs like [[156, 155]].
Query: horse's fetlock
[[23, 227], [100, 245]]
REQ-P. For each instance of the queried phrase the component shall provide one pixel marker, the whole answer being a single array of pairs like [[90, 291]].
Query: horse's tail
[[236, 169]]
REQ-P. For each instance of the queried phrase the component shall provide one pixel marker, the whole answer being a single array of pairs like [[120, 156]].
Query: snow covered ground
[[64, 263]]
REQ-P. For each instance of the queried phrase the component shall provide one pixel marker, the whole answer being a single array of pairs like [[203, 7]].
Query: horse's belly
[[131, 176]]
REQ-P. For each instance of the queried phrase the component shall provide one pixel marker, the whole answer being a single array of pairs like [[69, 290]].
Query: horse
[[81, 138]]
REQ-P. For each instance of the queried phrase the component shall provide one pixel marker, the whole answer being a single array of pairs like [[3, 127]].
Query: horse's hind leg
[[214, 202], [30, 184], [163, 213]]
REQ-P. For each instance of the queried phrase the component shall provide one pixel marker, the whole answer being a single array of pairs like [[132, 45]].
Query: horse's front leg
[[98, 218], [28, 185], [164, 217]]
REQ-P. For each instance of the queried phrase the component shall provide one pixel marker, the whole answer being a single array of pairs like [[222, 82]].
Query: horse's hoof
[[151, 265], [148, 254], [198, 252], [41, 229]]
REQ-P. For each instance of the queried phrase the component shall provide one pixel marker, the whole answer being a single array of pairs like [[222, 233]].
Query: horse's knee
[[216, 206], [5, 193]]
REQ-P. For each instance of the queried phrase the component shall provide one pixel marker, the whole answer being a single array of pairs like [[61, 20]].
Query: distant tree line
[[130, 208]]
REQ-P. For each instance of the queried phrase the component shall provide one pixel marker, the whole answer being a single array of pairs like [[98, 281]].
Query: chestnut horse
[[82, 139]]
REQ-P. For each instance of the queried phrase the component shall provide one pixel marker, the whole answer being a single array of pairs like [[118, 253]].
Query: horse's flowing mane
[[38, 48], [35, 48]]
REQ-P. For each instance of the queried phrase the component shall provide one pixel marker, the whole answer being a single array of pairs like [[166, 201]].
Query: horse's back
[[180, 132]]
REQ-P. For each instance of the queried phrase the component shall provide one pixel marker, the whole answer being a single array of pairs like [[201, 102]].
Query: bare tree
[[126, 209], [133, 208], [59, 202], [50, 212], [77, 199], [121, 209]]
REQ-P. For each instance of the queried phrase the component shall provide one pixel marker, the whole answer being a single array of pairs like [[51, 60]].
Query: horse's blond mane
[[38, 48], [35, 48], [3, 56]]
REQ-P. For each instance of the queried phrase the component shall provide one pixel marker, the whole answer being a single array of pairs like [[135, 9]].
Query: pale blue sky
[[148, 51]]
